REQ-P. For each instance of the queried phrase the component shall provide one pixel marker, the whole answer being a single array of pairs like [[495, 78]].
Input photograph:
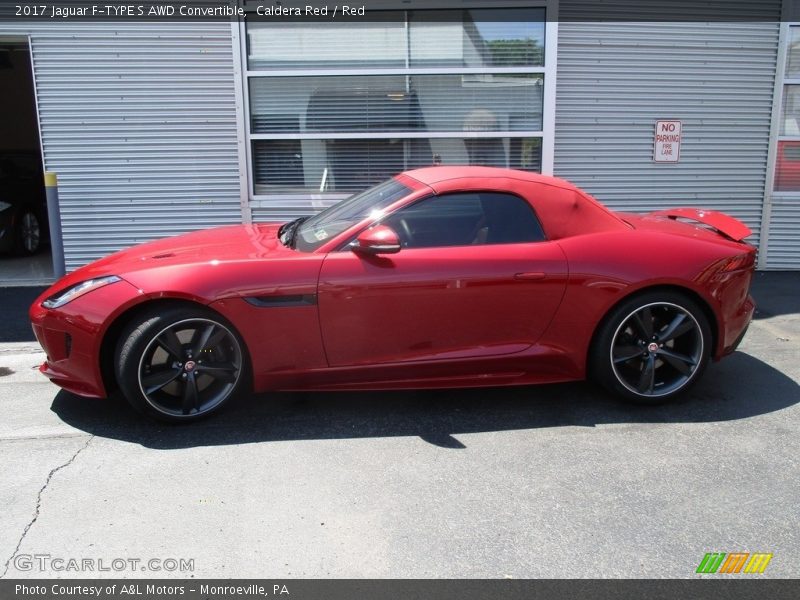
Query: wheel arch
[[693, 295], [111, 336]]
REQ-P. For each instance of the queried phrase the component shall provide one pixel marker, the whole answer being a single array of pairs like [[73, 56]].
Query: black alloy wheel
[[29, 234], [652, 348], [180, 365]]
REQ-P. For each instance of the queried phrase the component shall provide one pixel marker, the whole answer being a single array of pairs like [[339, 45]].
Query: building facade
[[160, 128]]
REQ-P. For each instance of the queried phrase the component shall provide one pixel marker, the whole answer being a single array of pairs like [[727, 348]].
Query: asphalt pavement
[[545, 481], [14, 302]]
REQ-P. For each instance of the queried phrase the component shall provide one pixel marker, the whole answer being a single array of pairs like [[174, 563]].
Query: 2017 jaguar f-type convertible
[[439, 277]]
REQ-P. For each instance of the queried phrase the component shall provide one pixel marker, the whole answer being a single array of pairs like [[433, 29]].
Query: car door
[[475, 278]]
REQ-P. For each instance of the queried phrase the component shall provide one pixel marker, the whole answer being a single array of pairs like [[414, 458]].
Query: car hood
[[170, 257], [236, 242]]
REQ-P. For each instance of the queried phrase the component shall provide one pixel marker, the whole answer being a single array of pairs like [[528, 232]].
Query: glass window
[[793, 55], [497, 37], [466, 219], [790, 123], [787, 167], [312, 233], [377, 43], [337, 165], [474, 102], [508, 37], [314, 132]]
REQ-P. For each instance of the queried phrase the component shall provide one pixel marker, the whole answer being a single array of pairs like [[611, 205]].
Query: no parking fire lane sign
[[667, 144]]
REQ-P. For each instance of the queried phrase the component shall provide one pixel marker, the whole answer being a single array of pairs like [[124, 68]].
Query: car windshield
[[311, 234]]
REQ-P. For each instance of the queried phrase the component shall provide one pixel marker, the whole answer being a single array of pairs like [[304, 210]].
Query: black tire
[[28, 234], [651, 364], [161, 373]]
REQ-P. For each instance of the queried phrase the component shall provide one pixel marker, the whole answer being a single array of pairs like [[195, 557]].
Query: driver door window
[[466, 219]]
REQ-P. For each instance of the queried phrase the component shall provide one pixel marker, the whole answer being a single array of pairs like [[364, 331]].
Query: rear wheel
[[652, 347], [180, 364]]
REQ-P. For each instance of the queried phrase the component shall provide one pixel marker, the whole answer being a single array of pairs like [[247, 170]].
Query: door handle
[[532, 276]]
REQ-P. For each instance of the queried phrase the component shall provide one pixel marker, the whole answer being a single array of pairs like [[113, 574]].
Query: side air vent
[[277, 301]]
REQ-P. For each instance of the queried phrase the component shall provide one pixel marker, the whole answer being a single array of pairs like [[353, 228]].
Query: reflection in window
[[377, 43], [466, 219], [787, 167], [793, 55], [501, 37], [346, 132], [345, 165], [510, 37], [470, 102], [332, 221], [790, 123]]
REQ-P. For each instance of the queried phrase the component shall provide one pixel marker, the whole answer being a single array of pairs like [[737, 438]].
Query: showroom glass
[[790, 121], [378, 42], [465, 219], [787, 162], [315, 131], [484, 37], [793, 54], [377, 103], [435, 38], [349, 165], [787, 166], [332, 221]]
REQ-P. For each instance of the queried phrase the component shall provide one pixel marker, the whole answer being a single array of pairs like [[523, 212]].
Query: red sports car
[[439, 277]]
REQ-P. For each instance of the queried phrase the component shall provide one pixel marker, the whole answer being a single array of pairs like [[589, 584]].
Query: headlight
[[79, 289], [4, 205]]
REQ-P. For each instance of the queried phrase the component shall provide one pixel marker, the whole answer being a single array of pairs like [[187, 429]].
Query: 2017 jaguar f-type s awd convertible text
[[438, 277]]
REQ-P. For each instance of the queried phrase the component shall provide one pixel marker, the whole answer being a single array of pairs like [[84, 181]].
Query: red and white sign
[[667, 144]]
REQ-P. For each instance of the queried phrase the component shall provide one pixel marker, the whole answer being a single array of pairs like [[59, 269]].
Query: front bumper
[[72, 336]]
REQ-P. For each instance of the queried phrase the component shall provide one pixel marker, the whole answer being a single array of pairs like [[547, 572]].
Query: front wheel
[[652, 347], [179, 364]]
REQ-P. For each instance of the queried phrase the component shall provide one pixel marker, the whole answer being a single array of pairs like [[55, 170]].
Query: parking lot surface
[[547, 481]]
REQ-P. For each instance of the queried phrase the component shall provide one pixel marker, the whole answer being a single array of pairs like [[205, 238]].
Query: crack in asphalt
[[39, 503]]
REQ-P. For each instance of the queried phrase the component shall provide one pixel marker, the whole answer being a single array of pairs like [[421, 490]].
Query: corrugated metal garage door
[[616, 79], [139, 123], [783, 245]]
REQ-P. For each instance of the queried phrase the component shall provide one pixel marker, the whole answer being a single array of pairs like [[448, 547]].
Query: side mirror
[[376, 240]]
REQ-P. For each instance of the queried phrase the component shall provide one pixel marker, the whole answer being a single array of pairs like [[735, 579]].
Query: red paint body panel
[[474, 315], [86, 320], [438, 303], [281, 340], [592, 292]]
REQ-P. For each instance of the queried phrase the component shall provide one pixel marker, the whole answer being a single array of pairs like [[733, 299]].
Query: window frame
[[772, 196], [317, 200], [782, 82]]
